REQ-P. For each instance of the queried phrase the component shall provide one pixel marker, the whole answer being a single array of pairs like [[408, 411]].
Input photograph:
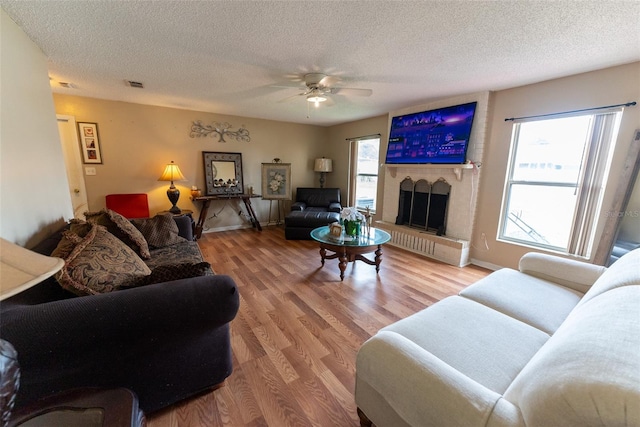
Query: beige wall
[[138, 140], [340, 153], [34, 196], [599, 88]]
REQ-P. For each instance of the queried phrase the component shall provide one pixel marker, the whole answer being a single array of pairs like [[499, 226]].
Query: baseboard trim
[[487, 265]]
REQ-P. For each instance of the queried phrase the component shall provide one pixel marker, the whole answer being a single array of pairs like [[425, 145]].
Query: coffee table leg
[[323, 253], [343, 262], [378, 258]]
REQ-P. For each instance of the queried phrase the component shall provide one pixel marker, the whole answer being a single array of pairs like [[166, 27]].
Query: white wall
[[34, 196]]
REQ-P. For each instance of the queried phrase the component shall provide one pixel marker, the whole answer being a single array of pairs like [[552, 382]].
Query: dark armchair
[[313, 208]]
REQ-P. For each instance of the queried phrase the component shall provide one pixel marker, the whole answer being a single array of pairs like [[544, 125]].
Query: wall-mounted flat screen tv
[[434, 136]]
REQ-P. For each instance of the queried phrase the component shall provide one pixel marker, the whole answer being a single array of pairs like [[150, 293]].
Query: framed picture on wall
[[89, 142], [276, 181]]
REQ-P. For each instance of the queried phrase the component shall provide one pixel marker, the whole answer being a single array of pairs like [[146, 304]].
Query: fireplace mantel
[[457, 169]]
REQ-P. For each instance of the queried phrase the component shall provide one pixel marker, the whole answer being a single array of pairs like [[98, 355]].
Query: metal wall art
[[198, 130]]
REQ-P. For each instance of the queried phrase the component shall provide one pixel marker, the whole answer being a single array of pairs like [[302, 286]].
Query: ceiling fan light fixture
[[316, 98]]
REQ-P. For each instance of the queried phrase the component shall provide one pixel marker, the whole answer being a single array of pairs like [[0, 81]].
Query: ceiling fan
[[319, 86]]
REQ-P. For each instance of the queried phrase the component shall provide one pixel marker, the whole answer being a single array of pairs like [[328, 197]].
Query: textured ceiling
[[226, 56]]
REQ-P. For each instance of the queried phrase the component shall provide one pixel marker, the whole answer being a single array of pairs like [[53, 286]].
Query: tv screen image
[[434, 136]]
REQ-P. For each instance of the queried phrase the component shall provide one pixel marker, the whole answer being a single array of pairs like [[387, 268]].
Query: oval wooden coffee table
[[350, 249]]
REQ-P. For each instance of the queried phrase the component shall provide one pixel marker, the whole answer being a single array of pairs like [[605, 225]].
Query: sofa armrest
[[72, 329], [185, 226], [298, 206], [334, 207], [421, 388], [570, 273]]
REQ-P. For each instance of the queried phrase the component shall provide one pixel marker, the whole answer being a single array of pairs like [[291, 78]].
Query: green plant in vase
[[351, 218]]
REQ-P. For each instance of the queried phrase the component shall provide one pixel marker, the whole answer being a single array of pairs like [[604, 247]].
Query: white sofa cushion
[[623, 272], [536, 302], [570, 273], [588, 373], [475, 340], [399, 383]]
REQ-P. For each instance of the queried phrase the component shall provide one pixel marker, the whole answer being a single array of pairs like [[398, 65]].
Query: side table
[[206, 202]]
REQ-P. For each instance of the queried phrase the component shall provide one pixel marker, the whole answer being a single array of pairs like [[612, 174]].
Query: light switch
[[89, 171]]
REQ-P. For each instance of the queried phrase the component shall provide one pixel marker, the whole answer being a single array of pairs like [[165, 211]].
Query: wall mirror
[[223, 173]]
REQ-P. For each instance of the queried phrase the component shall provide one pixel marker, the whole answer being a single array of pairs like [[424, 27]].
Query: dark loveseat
[[164, 341], [313, 208]]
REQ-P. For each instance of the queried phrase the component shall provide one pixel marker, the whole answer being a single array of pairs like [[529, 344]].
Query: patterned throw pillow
[[122, 228], [167, 273], [160, 231], [98, 263], [65, 246]]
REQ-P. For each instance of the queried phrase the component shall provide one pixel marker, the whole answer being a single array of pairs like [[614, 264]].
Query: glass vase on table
[[351, 228]]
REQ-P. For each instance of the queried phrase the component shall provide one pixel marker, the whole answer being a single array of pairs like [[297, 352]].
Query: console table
[[206, 202]]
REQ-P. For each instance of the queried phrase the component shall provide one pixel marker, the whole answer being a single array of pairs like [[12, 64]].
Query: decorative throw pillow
[[98, 263], [122, 228], [160, 231], [167, 273], [65, 246]]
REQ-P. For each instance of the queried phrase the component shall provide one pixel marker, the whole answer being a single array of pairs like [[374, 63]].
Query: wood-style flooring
[[299, 327]]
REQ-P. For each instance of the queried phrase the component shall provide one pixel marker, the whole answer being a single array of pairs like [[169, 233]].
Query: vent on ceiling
[[134, 84], [66, 84]]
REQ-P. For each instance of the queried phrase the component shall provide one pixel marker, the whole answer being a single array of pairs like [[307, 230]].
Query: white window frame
[[594, 171], [353, 178]]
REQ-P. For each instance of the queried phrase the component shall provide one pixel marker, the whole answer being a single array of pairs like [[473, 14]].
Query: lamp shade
[[172, 173], [21, 268], [323, 165]]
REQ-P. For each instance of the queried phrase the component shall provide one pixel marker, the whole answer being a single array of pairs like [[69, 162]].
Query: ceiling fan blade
[[292, 97], [329, 102], [288, 86], [329, 81], [351, 91]]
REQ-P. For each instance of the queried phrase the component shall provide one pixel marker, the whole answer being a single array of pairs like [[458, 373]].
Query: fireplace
[[456, 205], [424, 205]]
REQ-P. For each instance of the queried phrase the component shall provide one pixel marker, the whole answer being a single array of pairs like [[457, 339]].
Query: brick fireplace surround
[[453, 248]]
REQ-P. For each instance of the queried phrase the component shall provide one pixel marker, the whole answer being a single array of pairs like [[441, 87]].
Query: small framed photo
[[89, 142], [276, 181]]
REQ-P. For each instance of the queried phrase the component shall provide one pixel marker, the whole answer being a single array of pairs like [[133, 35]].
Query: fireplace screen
[[424, 205]]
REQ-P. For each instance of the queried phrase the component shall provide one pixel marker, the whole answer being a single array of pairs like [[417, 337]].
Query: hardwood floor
[[299, 327]]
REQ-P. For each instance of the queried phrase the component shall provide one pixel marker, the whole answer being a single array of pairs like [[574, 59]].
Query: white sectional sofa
[[556, 343]]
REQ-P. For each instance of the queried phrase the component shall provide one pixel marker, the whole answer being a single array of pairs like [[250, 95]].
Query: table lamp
[[323, 166], [21, 268], [172, 173]]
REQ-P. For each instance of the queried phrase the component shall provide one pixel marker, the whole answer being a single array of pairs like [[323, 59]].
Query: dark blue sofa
[[165, 342]]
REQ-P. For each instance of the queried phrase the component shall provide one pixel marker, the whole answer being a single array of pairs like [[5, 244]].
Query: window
[[364, 176], [555, 181]]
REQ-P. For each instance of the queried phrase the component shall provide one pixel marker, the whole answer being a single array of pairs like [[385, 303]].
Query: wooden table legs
[[206, 202], [347, 254], [202, 218], [252, 214]]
